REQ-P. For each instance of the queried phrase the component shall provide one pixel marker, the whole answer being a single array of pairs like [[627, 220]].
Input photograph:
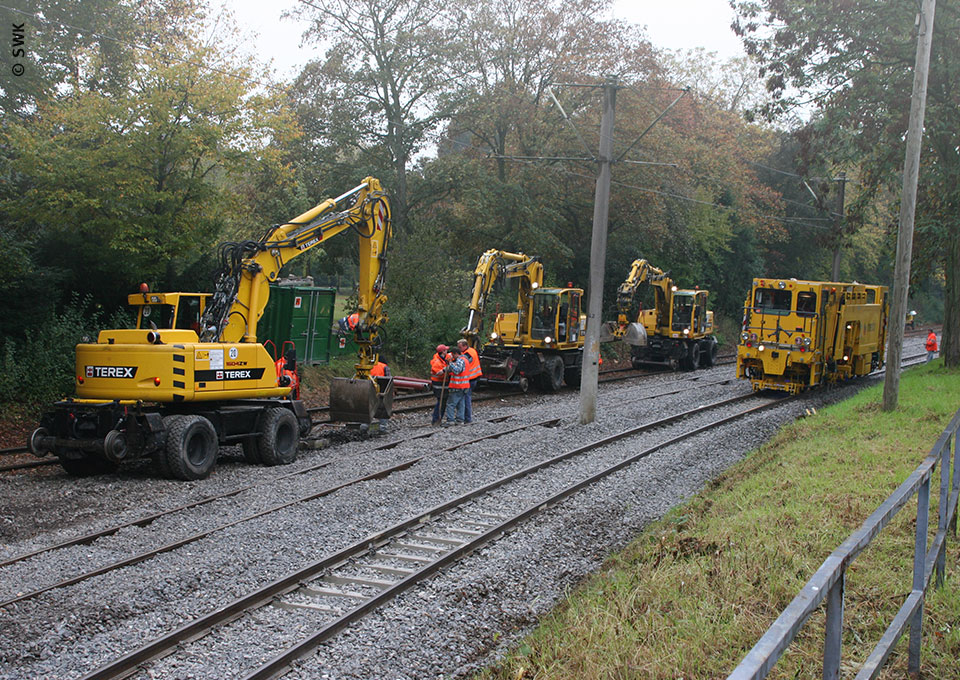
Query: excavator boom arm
[[493, 266], [640, 271], [247, 268]]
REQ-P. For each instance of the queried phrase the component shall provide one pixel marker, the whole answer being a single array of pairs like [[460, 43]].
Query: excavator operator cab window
[[700, 316], [188, 314], [159, 315], [806, 303], [682, 311], [544, 316]]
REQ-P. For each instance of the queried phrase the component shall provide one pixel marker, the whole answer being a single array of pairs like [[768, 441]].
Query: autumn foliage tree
[[853, 62]]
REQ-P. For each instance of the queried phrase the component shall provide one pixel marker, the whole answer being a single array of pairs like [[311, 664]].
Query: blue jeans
[[455, 401], [468, 402]]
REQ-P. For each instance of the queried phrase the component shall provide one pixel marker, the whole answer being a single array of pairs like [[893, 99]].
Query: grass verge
[[692, 595]]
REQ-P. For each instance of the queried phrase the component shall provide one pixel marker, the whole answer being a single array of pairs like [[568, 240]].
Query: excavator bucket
[[635, 335], [356, 400], [385, 397]]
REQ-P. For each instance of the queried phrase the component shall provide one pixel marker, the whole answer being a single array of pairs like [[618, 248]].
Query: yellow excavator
[[677, 331], [192, 376], [542, 340]]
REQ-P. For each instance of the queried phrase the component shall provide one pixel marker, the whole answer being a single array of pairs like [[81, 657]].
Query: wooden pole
[[598, 253], [908, 204]]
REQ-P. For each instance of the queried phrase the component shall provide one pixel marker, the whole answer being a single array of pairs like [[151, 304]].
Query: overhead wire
[[790, 220]]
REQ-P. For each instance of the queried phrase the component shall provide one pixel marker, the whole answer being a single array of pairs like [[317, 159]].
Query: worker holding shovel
[[438, 381]]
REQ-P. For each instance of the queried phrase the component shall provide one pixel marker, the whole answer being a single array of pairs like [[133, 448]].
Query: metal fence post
[[956, 476], [919, 565], [832, 637], [941, 563]]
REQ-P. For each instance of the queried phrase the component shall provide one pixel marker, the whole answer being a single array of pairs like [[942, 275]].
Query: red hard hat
[[442, 348]]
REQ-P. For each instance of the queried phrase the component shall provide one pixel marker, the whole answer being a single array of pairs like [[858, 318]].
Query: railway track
[[146, 520], [331, 600], [355, 580], [425, 402], [609, 375]]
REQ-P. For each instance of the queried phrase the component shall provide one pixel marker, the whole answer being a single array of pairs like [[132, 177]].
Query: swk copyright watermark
[[18, 47]]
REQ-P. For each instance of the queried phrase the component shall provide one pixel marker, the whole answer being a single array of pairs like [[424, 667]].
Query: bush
[[40, 368]]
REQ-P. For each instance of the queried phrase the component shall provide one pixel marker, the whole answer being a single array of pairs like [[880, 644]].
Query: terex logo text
[[111, 371]]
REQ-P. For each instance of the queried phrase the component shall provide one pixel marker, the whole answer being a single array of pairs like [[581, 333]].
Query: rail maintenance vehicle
[[192, 376]]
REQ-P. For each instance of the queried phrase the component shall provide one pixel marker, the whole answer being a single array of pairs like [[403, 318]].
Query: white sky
[[671, 24]]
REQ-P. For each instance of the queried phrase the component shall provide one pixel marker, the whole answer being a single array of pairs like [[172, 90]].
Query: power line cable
[[790, 220]]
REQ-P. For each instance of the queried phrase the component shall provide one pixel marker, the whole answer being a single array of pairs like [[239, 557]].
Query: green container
[[303, 315]]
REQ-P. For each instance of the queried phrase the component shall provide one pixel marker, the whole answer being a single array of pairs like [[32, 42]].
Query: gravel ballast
[[448, 626]]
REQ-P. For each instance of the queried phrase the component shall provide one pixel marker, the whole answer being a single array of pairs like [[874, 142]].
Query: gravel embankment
[[449, 626]]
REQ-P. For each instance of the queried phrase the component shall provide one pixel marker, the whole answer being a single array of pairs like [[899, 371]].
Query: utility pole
[[598, 254], [908, 204], [835, 272]]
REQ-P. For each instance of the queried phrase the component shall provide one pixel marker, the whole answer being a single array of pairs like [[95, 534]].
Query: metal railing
[[828, 582]]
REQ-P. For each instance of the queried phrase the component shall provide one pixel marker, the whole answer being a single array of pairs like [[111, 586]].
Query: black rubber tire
[[279, 438], [551, 379], [192, 447], [87, 466], [708, 353], [160, 464], [572, 376], [692, 360], [251, 451]]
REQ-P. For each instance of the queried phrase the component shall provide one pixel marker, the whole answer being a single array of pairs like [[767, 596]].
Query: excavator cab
[[181, 311], [556, 316]]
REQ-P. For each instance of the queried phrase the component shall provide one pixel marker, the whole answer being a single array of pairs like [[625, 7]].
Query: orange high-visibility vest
[[437, 365], [931, 342], [459, 381], [378, 369], [353, 320], [472, 360]]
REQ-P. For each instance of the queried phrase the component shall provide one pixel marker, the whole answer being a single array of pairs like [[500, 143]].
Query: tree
[[855, 65], [137, 184], [381, 85]]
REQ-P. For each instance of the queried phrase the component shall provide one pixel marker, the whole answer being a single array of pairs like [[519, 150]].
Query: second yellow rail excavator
[[676, 331], [192, 376], [542, 340]]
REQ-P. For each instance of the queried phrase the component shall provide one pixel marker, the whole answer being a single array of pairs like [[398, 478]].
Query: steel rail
[[166, 644], [148, 519], [144, 521], [281, 662], [168, 547]]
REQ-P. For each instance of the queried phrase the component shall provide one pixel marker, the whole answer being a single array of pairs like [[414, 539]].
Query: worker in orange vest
[[380, 369], [931, 345], [286, 367], [458, 386], [438, 380], [472, 360], [349, 323]]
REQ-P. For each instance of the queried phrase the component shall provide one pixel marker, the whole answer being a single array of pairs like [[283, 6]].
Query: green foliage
[[696, 590], [137, 182], [856, 66], [40, 368]]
